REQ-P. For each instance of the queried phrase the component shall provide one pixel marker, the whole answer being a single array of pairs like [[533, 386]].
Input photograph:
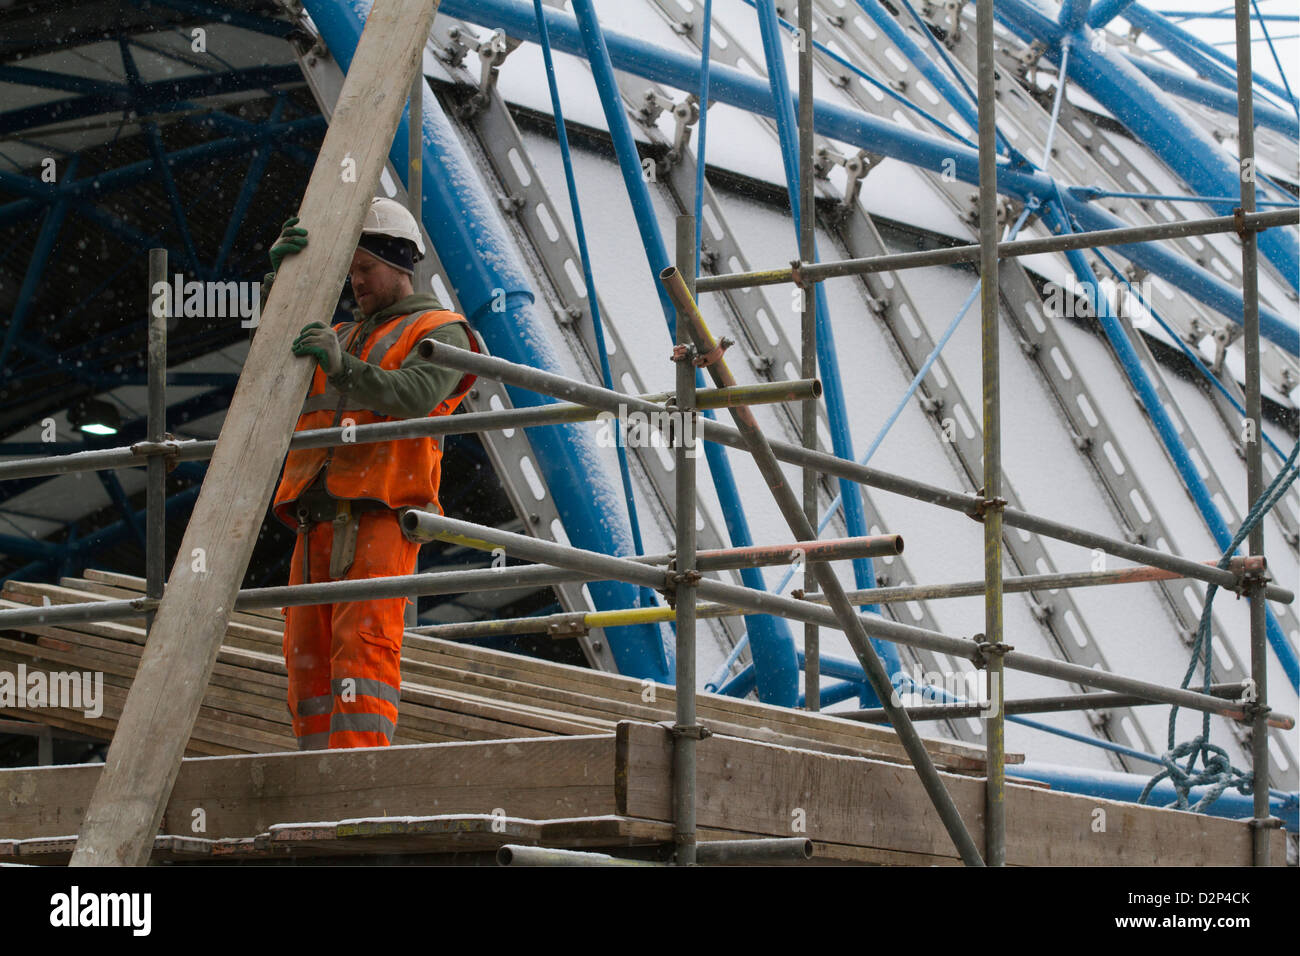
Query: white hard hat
[[386, 217]]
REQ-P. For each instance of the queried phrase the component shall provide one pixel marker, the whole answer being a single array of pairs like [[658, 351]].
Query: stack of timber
[[450, 692]]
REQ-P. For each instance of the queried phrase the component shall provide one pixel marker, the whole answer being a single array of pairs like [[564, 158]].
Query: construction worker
[[345, 501]]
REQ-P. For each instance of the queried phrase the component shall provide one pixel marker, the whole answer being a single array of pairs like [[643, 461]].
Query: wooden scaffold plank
[[164, 701]]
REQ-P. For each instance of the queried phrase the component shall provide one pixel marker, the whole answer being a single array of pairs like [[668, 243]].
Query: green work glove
[[322, 344], [292, 239]]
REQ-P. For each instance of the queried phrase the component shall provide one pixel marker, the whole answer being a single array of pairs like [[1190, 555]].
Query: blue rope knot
[[1217, 773]]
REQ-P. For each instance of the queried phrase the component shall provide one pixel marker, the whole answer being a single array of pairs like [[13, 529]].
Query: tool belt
[[345, 515]]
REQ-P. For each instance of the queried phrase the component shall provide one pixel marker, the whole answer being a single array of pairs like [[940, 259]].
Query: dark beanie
[[398, 253]]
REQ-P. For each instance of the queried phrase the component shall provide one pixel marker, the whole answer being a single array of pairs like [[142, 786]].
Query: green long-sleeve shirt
[[418, 386], [412, 390]]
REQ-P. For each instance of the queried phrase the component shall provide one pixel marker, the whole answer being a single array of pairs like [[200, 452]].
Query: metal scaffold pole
[[953, 255], [1253, 428], [686, 731], [808, 338], [995, 820], [156, 474], [414, 194]]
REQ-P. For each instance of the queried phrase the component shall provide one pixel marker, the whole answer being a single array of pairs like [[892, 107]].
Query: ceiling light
[[94, 416]]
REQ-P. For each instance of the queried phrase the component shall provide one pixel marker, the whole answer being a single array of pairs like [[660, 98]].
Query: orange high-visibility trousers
[[344, 660]]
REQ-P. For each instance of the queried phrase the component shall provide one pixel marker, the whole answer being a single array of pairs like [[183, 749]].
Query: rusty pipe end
[[816, 388]]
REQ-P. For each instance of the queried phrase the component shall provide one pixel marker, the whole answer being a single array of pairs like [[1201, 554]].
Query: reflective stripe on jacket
[[400, 473]]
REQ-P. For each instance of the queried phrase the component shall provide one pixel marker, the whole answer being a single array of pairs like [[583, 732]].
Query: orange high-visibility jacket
[[401, 473]]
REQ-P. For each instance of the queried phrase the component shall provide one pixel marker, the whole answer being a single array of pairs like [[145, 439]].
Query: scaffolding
[[678, 575]]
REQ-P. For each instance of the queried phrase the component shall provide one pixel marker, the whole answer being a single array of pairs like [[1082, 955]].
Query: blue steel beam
[[121, 230], [219, 13], [256, 169], [30, 548], [113, 485], [1164, 426], [1225, 15], [68, 82], [1216, 97], [497, 297], [33, 571], [156, 97], [1108, 77], [771, 642], [41, 251], [1215, 65], [745, 91], [233, 124], [1074, 13], [124, 177], [1113, 785], [110, 535], [77, 550], [159, 152], [963, 101], [1103, 11], [827, 357]]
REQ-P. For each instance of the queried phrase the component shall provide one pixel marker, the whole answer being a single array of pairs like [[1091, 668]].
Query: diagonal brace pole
[[793, 513]]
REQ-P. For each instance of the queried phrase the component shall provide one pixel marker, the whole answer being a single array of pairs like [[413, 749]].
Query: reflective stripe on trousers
[[344, 660]]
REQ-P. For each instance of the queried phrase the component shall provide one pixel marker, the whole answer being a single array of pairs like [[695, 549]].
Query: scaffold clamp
[[694, 731], [714, 354], [986, 650], [985, 505]]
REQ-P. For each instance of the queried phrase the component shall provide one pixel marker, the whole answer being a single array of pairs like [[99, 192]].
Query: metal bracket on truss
[[1028, 59], [1224, 336], [453, 52], [492, 52], [686, 112], [951, 21], [856, 166], [1100, 721], [1008, 210]]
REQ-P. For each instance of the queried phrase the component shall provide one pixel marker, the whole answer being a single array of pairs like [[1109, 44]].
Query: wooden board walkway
[[459, 802]]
